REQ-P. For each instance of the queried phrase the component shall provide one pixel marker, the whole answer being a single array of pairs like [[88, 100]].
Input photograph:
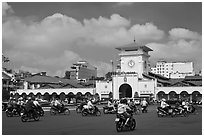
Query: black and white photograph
[[102, 68]]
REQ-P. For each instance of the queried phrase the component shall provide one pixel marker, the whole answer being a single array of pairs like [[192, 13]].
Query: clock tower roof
[[134, 47]]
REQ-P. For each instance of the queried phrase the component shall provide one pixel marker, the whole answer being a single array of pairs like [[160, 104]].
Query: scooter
[[109, 110], [121, 120], [162, 112]]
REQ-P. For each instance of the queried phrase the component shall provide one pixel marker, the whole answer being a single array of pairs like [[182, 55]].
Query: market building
[[133, 79]]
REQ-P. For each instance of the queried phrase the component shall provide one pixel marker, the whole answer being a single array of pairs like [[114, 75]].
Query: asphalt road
[[76, 124]]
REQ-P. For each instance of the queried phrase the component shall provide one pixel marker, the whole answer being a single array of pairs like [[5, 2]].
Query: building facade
[[83, 71], [173, 69]]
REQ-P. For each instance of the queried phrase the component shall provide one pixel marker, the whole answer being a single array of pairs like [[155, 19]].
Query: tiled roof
[[6, 76], [52, 80], [134, 46], [193, 78]]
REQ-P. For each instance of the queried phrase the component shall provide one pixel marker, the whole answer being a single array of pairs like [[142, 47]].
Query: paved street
[[75, 124]]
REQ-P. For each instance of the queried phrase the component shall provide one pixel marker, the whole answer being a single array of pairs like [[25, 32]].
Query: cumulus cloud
[[181, 33], [6, 9], [183, 45], [147, 32], [48, 44]]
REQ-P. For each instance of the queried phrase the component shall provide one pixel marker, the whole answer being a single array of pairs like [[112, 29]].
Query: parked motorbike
[[64, 110], [169, 112], [14, 111], [94, 112], [120, 122], [109, 110], [25, 116]]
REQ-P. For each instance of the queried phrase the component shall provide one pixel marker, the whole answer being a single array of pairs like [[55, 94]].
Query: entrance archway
[[125, 90]]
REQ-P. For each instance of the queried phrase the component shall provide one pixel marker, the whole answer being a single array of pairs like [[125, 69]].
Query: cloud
[[6, 9], [183, 45], [48, 44], [181, 33], [146, 32]]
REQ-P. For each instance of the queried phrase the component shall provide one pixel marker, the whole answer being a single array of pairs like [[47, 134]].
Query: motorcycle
[[179, 111], [144, 109], [136, 110], [14, 111], [94, 112], [169, 112], [109, 110], [64, 110], [40, 111], [120, 122], [80, 107], [25, 116]]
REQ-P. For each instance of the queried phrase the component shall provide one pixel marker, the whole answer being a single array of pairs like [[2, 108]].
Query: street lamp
[[112, 77]]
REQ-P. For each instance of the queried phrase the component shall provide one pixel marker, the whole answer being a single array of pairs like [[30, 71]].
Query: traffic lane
[[75, 124]]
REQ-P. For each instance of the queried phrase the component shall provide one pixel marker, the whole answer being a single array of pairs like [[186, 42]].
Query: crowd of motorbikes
[[179, 109], [19, 109]]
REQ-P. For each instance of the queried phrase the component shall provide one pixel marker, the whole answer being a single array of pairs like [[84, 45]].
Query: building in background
[[174, 69], [83, 71]]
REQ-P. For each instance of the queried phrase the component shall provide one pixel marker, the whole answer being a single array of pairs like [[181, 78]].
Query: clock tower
[[134, 58]]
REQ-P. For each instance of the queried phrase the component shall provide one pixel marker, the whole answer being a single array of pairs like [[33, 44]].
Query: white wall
[[178, 90], [58, 91], [103, 88]]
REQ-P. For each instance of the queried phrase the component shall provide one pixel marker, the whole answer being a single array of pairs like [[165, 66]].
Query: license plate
[[117, 119]]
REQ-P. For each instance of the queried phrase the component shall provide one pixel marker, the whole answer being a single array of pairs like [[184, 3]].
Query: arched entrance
[[173, 95], [125, 90]]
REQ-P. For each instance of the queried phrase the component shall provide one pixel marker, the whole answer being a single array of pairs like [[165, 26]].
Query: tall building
[[82, 70], [174, 69]]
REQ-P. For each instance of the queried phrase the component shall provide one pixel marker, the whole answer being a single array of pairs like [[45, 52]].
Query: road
[[76, 124]]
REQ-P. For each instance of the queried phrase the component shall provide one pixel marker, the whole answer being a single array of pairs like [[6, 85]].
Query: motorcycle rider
[[122, 109], [111, 105], [164, 105], [36, 103], [90, 106], [20, 101], [144, 104], [29, 106], [58, 105]]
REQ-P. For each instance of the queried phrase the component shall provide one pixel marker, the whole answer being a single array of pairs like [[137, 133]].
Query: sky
[[47, 36]]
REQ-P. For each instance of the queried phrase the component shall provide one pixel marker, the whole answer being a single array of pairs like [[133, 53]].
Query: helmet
[[29, 98]]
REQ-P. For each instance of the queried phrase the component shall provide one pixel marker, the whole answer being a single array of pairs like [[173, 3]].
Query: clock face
[[131, 63]]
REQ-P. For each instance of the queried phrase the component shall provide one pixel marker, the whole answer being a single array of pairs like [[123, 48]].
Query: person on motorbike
[[90, 106], [58, 105], [122, 109], [164, 105], [111, 105], [29, 106], [144, 103], [131, 104], [36, 103], [20, 101]]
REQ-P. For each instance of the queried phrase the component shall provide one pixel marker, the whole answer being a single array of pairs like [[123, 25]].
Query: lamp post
[[112, 77]]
